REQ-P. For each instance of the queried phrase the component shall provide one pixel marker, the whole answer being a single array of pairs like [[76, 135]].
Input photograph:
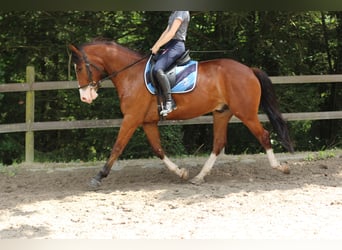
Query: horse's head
[[88, 74]]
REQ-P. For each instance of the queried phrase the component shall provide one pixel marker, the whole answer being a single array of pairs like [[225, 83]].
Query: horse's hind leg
[[263, 137], [221, 120], [153, 136]]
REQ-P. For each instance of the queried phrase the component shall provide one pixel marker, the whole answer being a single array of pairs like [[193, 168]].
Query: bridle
[[97, 84]]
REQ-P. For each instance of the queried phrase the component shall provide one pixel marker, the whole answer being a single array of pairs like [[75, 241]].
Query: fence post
[[29, 136]]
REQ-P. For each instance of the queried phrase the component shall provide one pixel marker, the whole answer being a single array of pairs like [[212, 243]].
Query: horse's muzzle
[[88, 94]]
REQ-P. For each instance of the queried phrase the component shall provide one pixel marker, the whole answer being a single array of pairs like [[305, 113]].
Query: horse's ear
[[74, 49]]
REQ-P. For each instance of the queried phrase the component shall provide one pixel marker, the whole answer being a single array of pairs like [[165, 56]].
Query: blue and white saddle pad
[[186, 76]]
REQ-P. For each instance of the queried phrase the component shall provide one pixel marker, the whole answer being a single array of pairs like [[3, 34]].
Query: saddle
[[170, 71], [182, 74]]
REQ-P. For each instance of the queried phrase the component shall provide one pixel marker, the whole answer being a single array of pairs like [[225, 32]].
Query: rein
[[97, 84], [94, 84]]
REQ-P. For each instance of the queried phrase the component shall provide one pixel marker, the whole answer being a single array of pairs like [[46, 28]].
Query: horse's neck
[[119, 58]]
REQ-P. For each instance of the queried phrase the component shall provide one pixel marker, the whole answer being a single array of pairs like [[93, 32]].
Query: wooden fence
[[31, 86]]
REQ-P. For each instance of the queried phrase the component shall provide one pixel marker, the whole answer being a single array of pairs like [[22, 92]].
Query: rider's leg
[[172, 51], [164, 83]]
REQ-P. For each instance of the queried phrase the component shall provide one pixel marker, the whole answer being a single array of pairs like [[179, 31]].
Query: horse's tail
[[270, 106]]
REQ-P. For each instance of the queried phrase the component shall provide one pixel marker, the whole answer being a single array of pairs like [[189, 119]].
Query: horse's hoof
[[184, 174], [94, 183], [283, 168], [197, 181]]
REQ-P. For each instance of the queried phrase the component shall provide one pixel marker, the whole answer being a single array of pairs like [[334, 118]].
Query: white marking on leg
[[275, 163], [272, 159], [198, 179], [182, 173]]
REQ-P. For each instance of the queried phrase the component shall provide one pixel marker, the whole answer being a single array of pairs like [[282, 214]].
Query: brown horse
[[224, 88]]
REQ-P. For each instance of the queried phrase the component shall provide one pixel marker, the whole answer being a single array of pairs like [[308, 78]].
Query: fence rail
[[57, 85], [29, 127], [107, 123]]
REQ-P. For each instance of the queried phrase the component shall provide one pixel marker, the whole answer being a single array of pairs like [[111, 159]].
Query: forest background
[[280, 42]]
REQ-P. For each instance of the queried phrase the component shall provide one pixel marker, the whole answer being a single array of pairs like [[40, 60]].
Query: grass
[[321, 155], [9, 170]]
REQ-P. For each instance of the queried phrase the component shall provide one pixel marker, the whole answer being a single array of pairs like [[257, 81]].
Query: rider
[[172, 40]]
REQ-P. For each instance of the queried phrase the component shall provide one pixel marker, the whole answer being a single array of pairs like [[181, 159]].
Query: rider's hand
[[154, 49]]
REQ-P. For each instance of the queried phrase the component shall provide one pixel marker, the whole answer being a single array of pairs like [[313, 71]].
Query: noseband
[[97, 84]]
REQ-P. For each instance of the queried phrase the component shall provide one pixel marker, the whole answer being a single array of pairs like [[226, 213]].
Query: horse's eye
[[77, 68]]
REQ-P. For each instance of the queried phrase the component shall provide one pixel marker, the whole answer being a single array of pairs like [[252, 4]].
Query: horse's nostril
[[86, 100]]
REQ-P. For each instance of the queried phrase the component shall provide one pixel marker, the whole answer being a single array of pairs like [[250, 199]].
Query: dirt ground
[[243, 198]]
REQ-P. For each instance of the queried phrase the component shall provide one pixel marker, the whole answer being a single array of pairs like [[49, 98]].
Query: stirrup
[[169, 107]]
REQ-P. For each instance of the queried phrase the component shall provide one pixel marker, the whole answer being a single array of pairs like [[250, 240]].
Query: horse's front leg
[[153, 136], [221, 120], [128, 126]]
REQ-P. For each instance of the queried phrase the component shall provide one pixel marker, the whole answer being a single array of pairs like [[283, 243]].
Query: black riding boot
[[163, 81]]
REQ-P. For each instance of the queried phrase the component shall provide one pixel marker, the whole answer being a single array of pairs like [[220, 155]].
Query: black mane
[[99, 41]]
